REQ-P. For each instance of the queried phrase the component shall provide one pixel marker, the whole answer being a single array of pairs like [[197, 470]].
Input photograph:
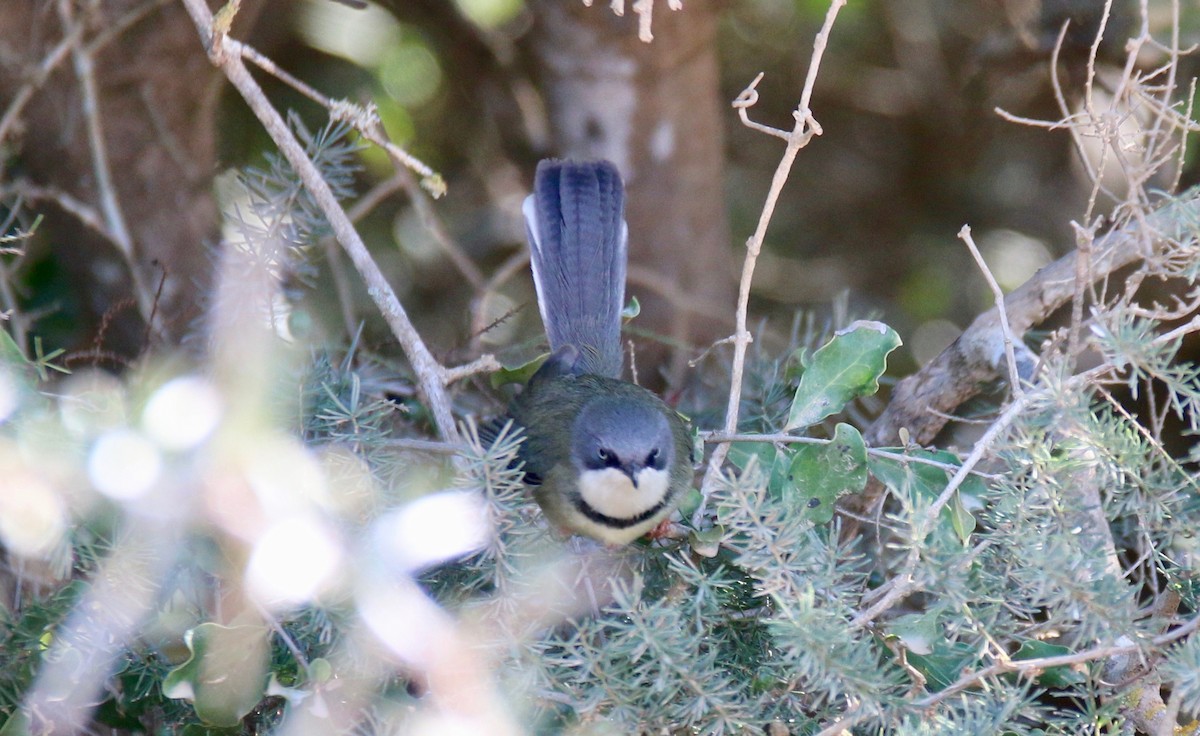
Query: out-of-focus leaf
[[631, 310], [689, 503], [10, 352], [518, 374], [944, 665], [1056, 677], [226, 676], [707, 542], [919, 632]]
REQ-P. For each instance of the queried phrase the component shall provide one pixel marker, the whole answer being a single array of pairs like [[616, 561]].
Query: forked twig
[[365, 119], [802, 132], [432, 377]]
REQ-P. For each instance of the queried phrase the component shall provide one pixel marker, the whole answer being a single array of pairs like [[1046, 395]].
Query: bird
[[604, 457]]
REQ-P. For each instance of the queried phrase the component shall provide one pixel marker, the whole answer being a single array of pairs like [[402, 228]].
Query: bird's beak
[[631, 470]]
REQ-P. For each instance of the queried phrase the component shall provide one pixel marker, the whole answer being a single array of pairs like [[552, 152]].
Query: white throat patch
[[610, 491]]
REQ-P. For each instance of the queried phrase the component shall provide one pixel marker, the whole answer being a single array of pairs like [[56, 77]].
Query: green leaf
[[943, 666], [225, 676], [689, 503], [631, 310], [772, 461], [43, 362], [741, 453], [16, 725], [320, 670], [197, 729], [819, 474], [923, 482], [843, 369], [10, 352], [1057, 677], [961, 519], [707, 542], [518, 374], [919, 632]]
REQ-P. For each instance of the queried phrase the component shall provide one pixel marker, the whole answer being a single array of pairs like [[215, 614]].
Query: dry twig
[[1014, 376], [432, 377], [802, 132]]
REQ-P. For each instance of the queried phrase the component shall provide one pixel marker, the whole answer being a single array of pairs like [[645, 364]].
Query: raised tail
[[575, 220]]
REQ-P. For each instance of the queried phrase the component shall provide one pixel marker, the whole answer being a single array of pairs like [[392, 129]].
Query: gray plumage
[[577, 237], [604, 457]]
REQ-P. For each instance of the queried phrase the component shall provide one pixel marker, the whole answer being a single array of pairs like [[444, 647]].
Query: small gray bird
[[605, 458]]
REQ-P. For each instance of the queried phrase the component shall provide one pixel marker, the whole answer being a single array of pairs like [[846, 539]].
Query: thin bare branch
[[49, 63], [921, 401], [432, 378], [364, 119], [110, 205], [1014, 376], [804, 129], [1040, 664]]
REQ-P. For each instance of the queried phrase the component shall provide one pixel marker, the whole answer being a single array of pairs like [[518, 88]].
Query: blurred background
[[264, 475], [912, 149]]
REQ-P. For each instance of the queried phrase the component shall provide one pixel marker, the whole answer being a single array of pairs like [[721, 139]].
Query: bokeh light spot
[[1013, 257], [409, 73], [33, 516], [357, 35], [292, 562], [432, 529], [285, 476], [182, 413], [124, 464], [489, 13], [92, 402]]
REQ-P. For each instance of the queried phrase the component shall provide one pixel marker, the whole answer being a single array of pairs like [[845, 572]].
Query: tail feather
[[577, 235]]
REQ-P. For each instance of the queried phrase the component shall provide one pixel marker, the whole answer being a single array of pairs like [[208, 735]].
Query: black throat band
[[613, 522]]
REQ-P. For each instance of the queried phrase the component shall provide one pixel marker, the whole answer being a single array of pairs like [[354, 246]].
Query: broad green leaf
[[1056, 677], [226, 675], [961, 519], [944, 665], [199, 729], [772, 462], [16, 725], [741, 453], [518, 374], [919, 632], [841, 370], [320, 670], [10, 352], [697, 440], [819, 474], [689, 503], [707, 542], [923, 482]]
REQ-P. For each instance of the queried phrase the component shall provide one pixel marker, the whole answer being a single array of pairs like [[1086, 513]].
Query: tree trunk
[[652, 109]]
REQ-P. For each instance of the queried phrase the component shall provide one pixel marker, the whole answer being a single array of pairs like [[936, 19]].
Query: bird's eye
[[652, 458], [608, 457]]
